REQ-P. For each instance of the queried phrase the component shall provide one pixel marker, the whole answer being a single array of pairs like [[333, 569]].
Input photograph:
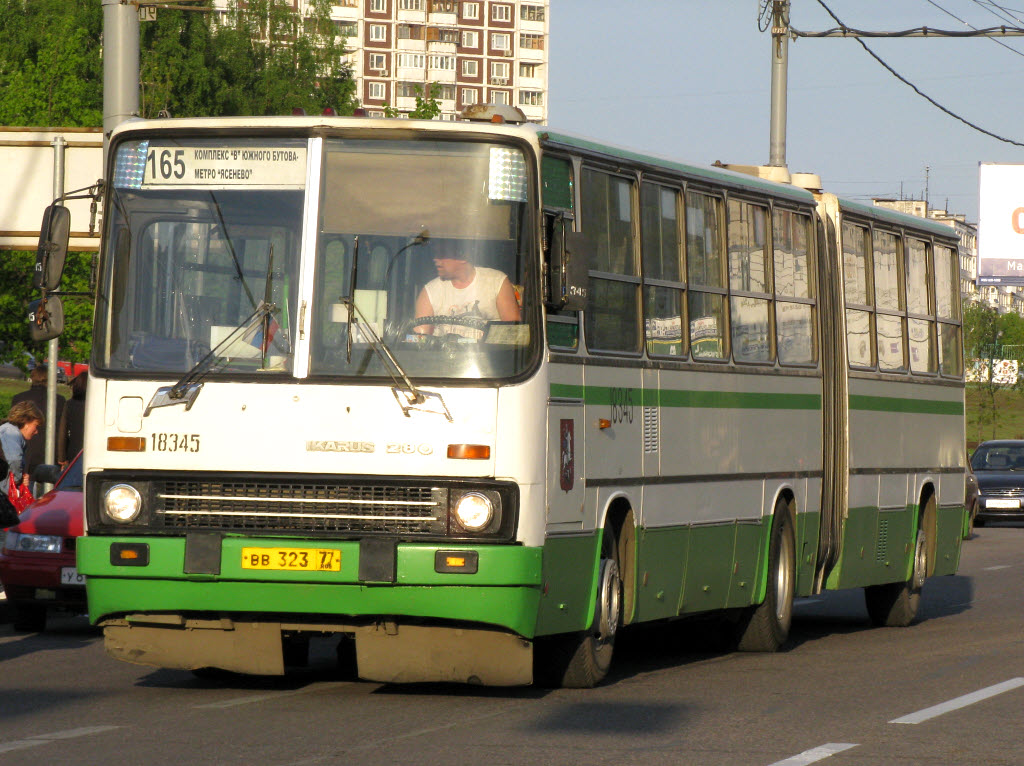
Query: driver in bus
[[463, 289]]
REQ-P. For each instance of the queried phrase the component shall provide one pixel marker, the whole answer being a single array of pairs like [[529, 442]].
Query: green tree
[[264, 60], [984, 331], [51, 71], [427, 107]]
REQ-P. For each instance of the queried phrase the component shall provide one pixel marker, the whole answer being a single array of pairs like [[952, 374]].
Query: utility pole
[[780, 73], [120, 64]]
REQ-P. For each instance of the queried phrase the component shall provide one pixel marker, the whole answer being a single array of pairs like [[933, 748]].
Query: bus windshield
[[420, 259], [436, 237]]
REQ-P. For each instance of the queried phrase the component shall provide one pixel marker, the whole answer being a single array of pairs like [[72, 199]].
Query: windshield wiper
[[350, 301], [408, 396], [187, 388]]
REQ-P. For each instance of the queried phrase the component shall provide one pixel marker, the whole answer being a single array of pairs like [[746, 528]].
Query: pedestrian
[[72, 422], [23, 422], [36, 449]]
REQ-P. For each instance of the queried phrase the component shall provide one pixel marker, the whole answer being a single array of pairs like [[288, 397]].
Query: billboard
[[27, 158], [1001, 224]]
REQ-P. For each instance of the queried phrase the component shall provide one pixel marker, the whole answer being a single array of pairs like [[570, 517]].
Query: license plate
[[70, 576], [998, 502], [292, 559]]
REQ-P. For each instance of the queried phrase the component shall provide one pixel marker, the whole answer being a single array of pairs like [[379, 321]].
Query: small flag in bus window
[[255, 335]]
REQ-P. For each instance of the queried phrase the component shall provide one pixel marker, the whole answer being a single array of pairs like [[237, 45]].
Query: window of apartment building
[[469, 96], [378, 61], [501, 13], [470, 68], [446, 92], [470, 39], [531, 42], [531, 12], [379, 6], [411, 60], [346, 28], [531, 98], [442, 6], [499, 97], [377, 91], [406, 89], [501, 41], [437, 61], [411, 5], [378, 33], [409, 31], [529, 70], [499, 70], [471, 11]]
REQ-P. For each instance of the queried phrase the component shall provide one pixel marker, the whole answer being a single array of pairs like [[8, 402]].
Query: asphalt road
[[946, 691]]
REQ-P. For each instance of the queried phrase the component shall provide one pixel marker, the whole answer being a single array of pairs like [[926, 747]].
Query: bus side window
[[705, 266], [857, 292]]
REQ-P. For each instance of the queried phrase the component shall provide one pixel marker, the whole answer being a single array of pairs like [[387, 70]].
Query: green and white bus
[[720, 394]]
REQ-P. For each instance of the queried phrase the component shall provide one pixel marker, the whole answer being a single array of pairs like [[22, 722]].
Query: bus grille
[[302, 507]]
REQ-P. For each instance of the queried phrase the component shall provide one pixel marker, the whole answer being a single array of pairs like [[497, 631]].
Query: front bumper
[[503, 592]]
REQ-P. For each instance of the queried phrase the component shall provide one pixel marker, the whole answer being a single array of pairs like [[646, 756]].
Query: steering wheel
[[461, 320]]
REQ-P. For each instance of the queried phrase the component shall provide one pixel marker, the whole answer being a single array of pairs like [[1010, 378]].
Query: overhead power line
[[844, 31], [967, 24], [907, 82]]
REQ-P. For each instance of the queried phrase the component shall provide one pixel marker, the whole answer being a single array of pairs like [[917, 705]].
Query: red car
[[37, 561]]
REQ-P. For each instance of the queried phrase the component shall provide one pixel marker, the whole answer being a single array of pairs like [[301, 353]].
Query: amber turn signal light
[[126, 443], [469, 451]]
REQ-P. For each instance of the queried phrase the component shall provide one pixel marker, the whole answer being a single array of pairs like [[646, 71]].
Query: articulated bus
[[716, 394]]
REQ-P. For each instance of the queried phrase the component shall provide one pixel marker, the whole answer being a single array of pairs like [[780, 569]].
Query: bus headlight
[[474, 511], [122, 503]]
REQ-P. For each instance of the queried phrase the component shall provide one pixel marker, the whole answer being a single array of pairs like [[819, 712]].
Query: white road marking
[[46, 739], [815, 754], [993, 569], [960, 702]]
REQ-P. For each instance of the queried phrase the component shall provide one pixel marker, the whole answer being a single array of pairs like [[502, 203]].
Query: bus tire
[[765, 627], [895, 604], [581, 660]]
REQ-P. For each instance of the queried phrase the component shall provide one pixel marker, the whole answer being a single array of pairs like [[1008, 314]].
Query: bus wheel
[[895, 604], [581, 660], [765, 627]]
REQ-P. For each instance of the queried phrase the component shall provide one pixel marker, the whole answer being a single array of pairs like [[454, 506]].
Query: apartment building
[[476, 51]]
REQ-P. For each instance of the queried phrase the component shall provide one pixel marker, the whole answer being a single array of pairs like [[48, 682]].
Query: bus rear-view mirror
[[53, 248], [45, 320]]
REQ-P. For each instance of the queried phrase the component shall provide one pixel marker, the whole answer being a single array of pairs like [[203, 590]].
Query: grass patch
[[8, 388], [1009, 421]]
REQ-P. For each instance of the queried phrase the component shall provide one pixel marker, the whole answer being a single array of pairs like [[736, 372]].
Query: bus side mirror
[[45, 321], [53, 248], [568, 274]]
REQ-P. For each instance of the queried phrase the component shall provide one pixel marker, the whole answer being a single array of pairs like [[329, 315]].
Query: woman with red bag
[[23, 422]]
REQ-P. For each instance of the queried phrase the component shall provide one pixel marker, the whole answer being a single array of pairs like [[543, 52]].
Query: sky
[[691, 80]]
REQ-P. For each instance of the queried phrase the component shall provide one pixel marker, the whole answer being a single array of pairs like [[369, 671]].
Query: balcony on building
[[443, 13], [441, 75], [410, 37], [442, 39]]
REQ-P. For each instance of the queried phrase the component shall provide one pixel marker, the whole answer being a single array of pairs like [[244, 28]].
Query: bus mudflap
[[240, 647], [391, 653]]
